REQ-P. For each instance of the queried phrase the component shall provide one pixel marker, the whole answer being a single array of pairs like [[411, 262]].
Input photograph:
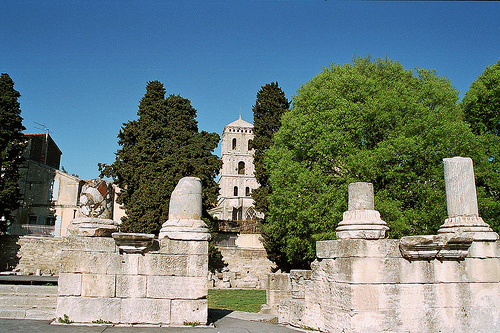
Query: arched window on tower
[[234, 143], [235, 191], [249, 144], [247, 191], [241, 168]]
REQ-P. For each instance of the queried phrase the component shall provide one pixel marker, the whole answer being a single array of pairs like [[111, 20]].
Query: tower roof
[[239, 123]]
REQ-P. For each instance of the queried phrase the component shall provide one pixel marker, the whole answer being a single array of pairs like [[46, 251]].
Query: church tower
[[236, 179]]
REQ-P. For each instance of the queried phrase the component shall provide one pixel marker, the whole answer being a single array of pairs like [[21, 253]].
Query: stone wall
[[247, 268], [167, 285], [367, 286], [30, 254]]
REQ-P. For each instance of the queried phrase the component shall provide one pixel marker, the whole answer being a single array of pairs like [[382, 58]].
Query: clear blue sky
[[82, 66]]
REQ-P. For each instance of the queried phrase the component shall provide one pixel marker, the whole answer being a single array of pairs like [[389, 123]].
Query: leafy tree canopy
[[481, 103], [481, 106], [157, 150], [11, 148], [371, 121]]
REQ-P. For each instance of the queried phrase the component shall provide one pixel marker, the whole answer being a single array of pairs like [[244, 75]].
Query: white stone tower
[[237, 179]]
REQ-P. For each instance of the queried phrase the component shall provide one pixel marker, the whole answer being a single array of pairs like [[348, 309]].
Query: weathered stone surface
[[98, 285], [133, 242], [360, 196], [70, 284], [461, 201], [130, 286], [84, 262], [192, 311], [88, 309], [291, 312], [184, 214], [145, 311], [361, 221], [177, 287], [92, 227], [96, 199], [123, 264], [346, 248], [298, 278], [163, 264], [429, 247], [172, 246], [88, 244]]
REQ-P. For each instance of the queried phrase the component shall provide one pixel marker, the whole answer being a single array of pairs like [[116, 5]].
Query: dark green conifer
[[157, 150], [11, 148]]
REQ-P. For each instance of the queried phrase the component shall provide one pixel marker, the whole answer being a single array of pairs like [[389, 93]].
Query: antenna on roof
[[44, 128], [240, 113]]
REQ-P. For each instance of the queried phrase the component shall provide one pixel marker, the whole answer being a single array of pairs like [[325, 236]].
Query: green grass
[[248, 300]]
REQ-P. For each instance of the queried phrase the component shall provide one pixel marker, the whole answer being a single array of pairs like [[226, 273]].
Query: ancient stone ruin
[[135, 278], [437, 283], [95, 211]]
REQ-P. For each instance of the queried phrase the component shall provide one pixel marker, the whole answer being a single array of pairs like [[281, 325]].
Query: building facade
[[236, 179]]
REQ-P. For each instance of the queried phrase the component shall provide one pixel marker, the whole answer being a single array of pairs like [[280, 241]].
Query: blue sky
[[82, 66]]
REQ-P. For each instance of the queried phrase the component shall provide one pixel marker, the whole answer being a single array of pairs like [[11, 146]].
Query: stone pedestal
[[184, 215], [361, 221], [461, 201], [92, 227]]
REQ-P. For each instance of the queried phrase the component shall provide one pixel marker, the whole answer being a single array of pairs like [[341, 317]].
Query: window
[[50, 220], [236, 191], [249, 144], [241, 168], [234, 143], [247, 191]]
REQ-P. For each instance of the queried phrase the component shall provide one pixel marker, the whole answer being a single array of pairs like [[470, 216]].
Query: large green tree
[[11, 148], [157, 150], [481, 106], [369, 120]]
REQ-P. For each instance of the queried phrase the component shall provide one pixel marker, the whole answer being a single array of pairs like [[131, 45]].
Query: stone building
[[49, 196], [237, 178]]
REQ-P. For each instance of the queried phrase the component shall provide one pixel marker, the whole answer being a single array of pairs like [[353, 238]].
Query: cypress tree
[[269, 107], [11, 148], [157, 150]]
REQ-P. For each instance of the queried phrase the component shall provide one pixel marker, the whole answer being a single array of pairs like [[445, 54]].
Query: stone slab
[[189, 311], [346, 248], [171, 246], [70, 284], [144, 310], [163, 264], [98, 285], [84, 262], [123, 264], [88, 309], [176, 287], [93, 244], [130, 286]]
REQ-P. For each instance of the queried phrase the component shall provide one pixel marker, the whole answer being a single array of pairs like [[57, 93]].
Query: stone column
[[461, 201], [184, 212], [361, 221]]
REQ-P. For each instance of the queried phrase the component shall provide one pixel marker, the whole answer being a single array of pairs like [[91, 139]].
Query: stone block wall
[[247, 268], [362, 285], [37, 254], [167, 285]]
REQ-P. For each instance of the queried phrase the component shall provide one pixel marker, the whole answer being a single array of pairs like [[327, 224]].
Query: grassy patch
[[248, 300]]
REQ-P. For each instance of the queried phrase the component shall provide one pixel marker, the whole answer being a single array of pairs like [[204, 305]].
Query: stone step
[[28, 301], [27, 313], [27, 290]]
